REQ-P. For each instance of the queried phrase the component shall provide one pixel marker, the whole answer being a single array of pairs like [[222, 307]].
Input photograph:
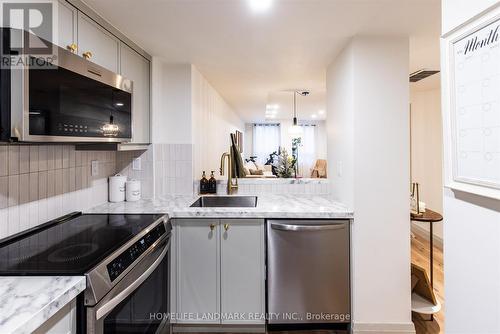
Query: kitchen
[[107, 226]]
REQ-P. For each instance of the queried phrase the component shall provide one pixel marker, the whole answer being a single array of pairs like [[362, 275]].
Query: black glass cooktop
[[71, 247]]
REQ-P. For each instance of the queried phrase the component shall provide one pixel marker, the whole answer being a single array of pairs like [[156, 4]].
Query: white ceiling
[[249, 56], [311, 107]]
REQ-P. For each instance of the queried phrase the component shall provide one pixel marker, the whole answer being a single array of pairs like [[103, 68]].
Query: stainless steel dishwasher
[[308, 271]]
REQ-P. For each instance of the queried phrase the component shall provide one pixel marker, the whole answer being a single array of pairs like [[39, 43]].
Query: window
[[266, 140], [307, 150]]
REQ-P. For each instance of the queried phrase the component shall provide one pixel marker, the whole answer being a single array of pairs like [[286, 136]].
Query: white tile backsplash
[[4, 162], [13, 160], [274, 186], [24, 159], [34, 158], [145, 174], [4, 219], [173, 169], [35, 188], [4, 192]]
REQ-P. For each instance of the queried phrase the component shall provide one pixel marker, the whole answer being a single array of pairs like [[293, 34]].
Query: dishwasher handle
[[305, 228]]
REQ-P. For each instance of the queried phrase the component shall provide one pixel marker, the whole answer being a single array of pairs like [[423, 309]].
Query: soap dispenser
[[204, 186], [212, 184]]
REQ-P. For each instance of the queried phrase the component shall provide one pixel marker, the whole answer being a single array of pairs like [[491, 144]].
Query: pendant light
[[296, 130]]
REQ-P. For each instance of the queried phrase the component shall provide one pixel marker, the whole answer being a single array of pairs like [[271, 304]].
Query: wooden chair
[[319, 169]]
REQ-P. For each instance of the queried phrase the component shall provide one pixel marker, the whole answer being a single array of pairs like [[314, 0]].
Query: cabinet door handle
[[226, 226], [72, 47], [212, 226], [87, 55]]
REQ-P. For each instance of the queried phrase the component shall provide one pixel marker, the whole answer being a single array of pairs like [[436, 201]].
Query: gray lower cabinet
[[135, 67], [64, 321], [197, 269], [219, 268]]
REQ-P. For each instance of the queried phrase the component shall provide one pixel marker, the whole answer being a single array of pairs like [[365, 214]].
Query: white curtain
[[307, 150], [266, 140]]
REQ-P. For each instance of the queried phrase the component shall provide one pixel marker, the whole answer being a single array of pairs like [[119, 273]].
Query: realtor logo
[[33, 27]]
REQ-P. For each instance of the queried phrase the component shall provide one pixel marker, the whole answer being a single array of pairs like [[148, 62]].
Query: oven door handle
[[112, 303]]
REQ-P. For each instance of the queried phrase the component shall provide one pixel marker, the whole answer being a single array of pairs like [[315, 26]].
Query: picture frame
[[471, 105], [239, 141]]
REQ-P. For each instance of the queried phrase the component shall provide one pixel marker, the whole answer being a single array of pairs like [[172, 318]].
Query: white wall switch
[[94, 168], [136, 164], [339, 168]]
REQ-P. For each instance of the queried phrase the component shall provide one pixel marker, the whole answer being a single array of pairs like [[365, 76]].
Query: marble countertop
[[268, 206], [29, 301], [275, 180]]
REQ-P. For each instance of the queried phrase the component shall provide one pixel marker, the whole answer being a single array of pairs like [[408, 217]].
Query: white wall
[[456, 12], [191, 123], [368, 135], [213, 121], [340, 125], [471, 229], [171, 119], [427, 150], [171, 107]]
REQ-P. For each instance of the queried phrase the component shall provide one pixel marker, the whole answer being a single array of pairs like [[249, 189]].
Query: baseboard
[[392, 328], [422, 232]]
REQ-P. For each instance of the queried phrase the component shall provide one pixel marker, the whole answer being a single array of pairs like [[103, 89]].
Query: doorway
[[426, 169]]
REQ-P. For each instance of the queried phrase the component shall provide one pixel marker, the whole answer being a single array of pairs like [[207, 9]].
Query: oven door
[[139, 303]]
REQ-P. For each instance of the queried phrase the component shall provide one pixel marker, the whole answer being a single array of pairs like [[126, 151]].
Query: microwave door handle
[[305, 228], [111, 304]]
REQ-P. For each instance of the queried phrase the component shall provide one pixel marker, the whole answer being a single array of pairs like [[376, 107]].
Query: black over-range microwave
[[60, 97]]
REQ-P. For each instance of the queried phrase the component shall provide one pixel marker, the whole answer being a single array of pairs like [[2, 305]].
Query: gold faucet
[[231, 186]]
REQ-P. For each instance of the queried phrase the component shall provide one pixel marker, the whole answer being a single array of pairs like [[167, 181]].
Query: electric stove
[[124, 257], [70, 246]]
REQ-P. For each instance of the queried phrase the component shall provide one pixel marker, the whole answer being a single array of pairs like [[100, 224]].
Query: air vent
[[421, 74]]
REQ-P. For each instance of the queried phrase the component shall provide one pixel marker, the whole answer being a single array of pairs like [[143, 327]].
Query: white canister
[[117, 188], [133, 190]]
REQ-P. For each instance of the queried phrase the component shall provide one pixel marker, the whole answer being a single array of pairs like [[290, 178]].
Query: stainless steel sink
[[225, 202]]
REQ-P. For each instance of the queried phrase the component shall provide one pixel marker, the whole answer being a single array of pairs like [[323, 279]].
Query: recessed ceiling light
[[314, 116], [321, 111], [260, 5]]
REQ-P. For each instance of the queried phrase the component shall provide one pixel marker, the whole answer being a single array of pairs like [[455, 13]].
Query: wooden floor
[[420, 256]]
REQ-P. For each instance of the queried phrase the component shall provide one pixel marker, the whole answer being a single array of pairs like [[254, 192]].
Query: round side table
[[430, 217]]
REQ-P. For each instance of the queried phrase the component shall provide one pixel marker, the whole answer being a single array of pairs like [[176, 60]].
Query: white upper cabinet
[[242, 269], [135, 67], [95, 42], [67, 25], [98, 44], [197, 269]]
